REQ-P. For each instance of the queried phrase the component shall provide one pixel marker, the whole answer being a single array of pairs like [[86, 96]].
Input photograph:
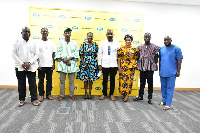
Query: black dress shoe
[[150, 101], [138, 98]]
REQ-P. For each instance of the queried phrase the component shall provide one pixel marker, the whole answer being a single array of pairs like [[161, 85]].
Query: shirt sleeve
[[58, 52], [36, 56], [179, 53], [76, 51], [14, 54], [81, 49], [53, 47], [100, 53], [156, 49], [120, 53]]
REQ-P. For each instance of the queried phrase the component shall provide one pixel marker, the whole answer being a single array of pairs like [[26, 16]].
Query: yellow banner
[[82, 22]]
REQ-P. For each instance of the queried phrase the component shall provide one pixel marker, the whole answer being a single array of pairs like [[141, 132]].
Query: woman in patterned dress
[[127, 56], [88, 64]]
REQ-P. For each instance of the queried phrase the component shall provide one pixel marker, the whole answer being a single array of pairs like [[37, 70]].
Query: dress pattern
[[128, 57], [90, 58]]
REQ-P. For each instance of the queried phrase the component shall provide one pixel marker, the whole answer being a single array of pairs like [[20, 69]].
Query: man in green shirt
[[67, 55]]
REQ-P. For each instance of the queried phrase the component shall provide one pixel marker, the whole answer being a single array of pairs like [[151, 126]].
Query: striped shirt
[[146, 61]]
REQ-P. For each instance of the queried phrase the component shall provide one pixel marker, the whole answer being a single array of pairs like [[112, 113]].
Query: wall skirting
[[155, 88]]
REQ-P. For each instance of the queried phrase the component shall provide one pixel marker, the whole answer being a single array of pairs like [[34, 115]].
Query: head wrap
[[128, 36], [67, 30]]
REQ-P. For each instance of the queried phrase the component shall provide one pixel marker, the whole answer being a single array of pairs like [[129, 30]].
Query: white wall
[[180, 22]]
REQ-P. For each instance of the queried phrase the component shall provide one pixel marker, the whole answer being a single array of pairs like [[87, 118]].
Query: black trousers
[[112, 71], [41, 75], [149, 76], [21, 76]]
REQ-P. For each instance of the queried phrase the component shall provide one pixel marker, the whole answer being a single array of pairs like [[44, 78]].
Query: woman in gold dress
[[127, 56]]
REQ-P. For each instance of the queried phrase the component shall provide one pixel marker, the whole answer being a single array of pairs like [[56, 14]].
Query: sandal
[[35, 103], [166, 108], [73, 97], [60, 98], [125, 98], [162, 103], [21, 103]]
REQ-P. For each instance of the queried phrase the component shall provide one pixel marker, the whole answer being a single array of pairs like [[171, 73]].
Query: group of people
[[109, 57]]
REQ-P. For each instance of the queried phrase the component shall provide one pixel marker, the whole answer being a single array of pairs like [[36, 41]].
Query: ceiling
[[173, 2]]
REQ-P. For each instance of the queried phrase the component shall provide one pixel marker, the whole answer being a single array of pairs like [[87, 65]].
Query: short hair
[[44, 28], [148, 34], [168, 37], [68, 30], [89, 33]]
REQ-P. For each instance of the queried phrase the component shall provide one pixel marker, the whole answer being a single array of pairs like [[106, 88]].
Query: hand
[[68, 63], [120, 70], [100, 68], [26, 65], [85, 68], [177, 74], [53, 67]]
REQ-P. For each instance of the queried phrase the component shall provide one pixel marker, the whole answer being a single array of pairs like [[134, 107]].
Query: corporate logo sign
[[75, 27], [49, 26], [124, 30], [112, 19], [88, 18], [62, 16], [136, 42], [36, 15], [36, 37], [137, 20], [99, 28], [61, 38]]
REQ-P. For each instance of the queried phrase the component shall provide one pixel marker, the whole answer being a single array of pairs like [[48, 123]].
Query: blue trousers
[[167, 89]]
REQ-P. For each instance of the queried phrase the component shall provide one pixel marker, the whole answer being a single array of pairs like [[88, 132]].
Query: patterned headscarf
[[128, 36]]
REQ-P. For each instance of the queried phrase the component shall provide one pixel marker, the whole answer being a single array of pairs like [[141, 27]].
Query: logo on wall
[[88, 18], [36, 14], [137, 20], [112, 19], [62, 16], [75, 27], [136, 42], [61, 38], [36, 37], [124, 30], [100, 29], [98, 88], [49, 26]]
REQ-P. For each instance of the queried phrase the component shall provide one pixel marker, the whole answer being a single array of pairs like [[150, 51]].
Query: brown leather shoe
[[50, 97], [41, 98], [102, 97], [112, 97]]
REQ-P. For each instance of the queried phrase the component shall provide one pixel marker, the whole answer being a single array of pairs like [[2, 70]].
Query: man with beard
[[170, 59], [67, 55], [46, 61], [25, 54], [147, 64], [107, 61]]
